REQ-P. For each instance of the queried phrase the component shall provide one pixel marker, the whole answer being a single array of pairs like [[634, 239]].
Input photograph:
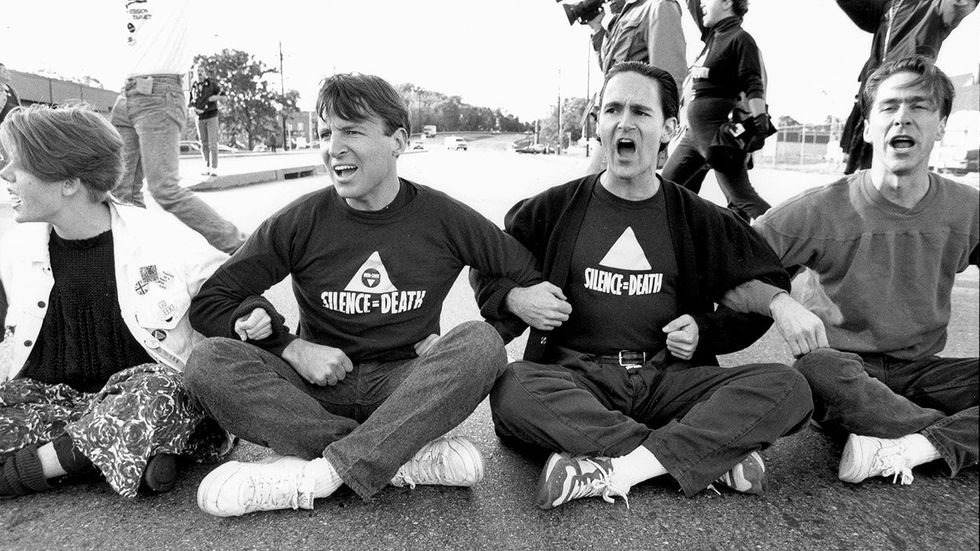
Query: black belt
[[629, 359]]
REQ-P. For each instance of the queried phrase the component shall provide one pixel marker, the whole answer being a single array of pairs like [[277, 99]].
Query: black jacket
[[715, 252]]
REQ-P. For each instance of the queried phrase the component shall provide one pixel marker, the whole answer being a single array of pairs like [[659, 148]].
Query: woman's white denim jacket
[[159, 263]]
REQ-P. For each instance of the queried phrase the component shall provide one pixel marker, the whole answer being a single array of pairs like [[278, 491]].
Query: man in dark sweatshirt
[[623, 384], [363, 393]]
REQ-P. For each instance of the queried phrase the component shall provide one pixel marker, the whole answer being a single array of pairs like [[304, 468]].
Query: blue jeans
[[207, 132], [698, 421], [150, 125], [875, 395], [367, 425]]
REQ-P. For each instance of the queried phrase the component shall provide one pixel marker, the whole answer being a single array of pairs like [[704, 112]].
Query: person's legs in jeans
[[685, 166], [604, 410], [130, 186], [433, 393], [158, 119], [259, 397], [442, 388], [207, 132], [742, 198], [888, 399]]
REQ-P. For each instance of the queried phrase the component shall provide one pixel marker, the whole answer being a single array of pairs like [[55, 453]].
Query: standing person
[[8, 97], [98, 296], [362, 395], [150, 115], [619, 378], [901, 28], [204, 97], [729, 67], [642, 30], [885, 244]]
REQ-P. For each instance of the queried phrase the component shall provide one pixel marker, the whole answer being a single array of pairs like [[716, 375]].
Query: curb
[[258, 177]]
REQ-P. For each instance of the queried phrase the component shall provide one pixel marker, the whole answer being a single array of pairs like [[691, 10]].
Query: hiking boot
[[452, 461], [565, 478], [237, 488], [748, 476], [160, 474], [867, 456]]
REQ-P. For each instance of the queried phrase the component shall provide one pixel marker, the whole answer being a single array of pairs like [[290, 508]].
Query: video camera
[[583, 11]]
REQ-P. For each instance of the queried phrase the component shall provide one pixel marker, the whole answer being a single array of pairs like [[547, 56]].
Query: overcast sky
[[493, 53]]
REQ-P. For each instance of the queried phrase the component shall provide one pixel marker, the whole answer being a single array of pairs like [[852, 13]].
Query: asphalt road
[[806, 507]]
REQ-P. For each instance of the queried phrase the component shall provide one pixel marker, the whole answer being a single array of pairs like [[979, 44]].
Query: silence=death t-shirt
[[622, 283]]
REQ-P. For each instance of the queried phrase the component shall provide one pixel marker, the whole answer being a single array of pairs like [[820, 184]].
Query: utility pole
[[282, 87], [558, 150], [585, 116]]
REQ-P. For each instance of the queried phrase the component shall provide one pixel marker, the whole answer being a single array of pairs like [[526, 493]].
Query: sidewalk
[[244, 169]]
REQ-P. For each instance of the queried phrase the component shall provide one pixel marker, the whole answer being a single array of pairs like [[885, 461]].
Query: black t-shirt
[[622, 284]]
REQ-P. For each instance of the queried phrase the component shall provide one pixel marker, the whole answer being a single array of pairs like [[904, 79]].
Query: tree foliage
[[449, 113], [573, 109], [252, 108]]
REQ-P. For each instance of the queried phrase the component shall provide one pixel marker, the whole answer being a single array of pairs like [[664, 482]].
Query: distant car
[[455, 143], [226, 148], [534, 149], [189, 146], [418, 145]]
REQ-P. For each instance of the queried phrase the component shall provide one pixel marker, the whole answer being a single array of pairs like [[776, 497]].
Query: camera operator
[[640, 30]]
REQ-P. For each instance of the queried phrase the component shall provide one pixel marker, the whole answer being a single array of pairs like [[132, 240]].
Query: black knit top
[[83, 338]]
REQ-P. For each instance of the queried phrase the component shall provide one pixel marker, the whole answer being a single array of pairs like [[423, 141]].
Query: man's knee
[[209, 363], [825, 365], [485, 344]]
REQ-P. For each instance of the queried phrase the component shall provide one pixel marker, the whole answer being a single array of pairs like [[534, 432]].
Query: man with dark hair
[[367, 383], [620, 377], [640, 30], [885, 245], [901, 28]]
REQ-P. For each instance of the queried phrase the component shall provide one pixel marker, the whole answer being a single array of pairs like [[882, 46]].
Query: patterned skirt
[[141, 412]]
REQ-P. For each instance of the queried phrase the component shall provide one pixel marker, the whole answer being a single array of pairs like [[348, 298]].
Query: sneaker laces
[[890, 461], [280, 492], [597, 483], [428, 466]]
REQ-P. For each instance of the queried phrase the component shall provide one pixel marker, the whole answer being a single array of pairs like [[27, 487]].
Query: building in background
[[33, 88]]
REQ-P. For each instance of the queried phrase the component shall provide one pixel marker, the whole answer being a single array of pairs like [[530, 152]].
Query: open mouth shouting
[[625, 147], [901, 143]]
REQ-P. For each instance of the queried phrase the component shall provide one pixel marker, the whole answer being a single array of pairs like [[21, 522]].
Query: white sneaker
[[452, 461], [867, 456], [236, 488]]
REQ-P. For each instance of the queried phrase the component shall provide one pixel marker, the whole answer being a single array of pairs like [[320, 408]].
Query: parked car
[[455, 143], [534, 149], [189, 146], [418, 145]]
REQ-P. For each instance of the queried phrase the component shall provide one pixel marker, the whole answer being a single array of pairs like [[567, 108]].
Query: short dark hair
[[939, 85], [61, 143], [668, 87], [356, 97], [740, 7]]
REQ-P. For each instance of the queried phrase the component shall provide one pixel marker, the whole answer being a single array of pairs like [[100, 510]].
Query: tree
[[251, 106], [786, 121], [571, 122]]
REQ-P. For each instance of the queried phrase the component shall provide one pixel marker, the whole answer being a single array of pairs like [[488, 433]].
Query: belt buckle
[[629, 366]]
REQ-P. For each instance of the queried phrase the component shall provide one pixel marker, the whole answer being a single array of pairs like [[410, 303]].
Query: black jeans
[[875, 395], [698, 421]]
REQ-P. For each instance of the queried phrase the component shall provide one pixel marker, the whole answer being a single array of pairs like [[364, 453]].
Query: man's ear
[[401, 141], [942, 129], [670, 128], [71, 187], [866, 134]]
